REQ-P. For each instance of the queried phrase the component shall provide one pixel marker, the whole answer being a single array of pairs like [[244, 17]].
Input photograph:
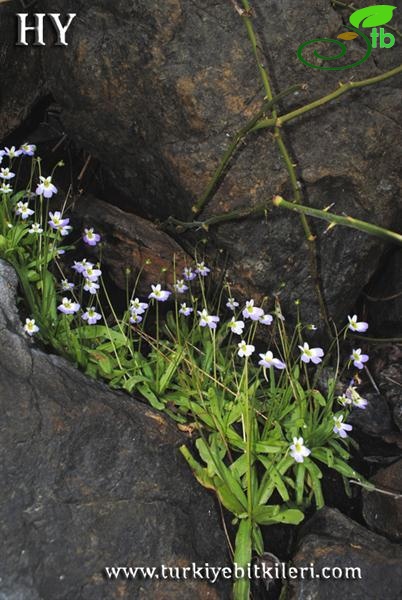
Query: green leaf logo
[[372, 16]]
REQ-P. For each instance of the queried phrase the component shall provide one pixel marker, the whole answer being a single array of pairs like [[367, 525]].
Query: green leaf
[[266, 515], [151, 397], [242, 558], [372, 16], [170, 371]]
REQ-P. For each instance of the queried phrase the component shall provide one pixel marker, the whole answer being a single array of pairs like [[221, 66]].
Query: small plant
[[259, 397]]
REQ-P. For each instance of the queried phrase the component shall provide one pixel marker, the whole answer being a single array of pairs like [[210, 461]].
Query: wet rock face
[[331, 540], [90, 478], [383, 512], [134, 243], [156, 90], [20, 73]]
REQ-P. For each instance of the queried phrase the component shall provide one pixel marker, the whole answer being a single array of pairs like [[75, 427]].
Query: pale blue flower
[[311, 354], [232, 304], [46, 187], [22, 209], [91, 286], [266, 319], [236, 326], [341, 428], [267, 361], [185, 310], [12, 152], [159, 294], [252, 312], [358, 358], [91, 316], [6, 174], [207, 320], [202, 269], [189, 274], [138, 307], [28, 149], [68, 307], [180, 287], [90, 237], [357, 326]]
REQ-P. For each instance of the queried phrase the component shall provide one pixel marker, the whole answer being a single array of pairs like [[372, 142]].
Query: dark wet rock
[[90, 478], [329, 539], [375, 419], [131, 242], [156, 90], [384, 296], [20, 73], [383, 512], [390, 382]]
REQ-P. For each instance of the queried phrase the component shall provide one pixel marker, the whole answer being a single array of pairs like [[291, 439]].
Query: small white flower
[[30, 327], [92, 273], [159, 294], [28, 149], [358, 358], [341, 428], [180, 287], [189, 274], [12, 152], [266, 319], [91, 316], [202, 269], [91, 286], [355, 325], [138, 307], [66, 286], [22, 209], [185, 310], [46, 187], [6, 174], [35, 228], [207, 320], [68, 307], [232, 304], [267, 361], [252, 312], [344, 400], [245, 350], [298, 450], [311, 354], [135, 318], [6, 188], [236, 326], [355, 399]]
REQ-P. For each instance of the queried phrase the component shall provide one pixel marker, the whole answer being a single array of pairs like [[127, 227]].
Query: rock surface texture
[[156, 90], [90, 478], [331, 540], [382, 512]]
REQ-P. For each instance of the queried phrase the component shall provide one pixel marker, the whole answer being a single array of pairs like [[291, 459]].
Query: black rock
[[329, 539], [375, 419], [383, 511], [156, 90], [90, 478]]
